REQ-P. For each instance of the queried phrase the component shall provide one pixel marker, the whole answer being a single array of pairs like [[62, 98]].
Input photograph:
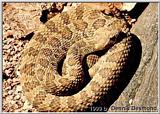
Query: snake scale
[[73, 34]]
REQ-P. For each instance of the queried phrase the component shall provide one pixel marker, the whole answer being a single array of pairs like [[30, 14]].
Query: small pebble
[[130, 101], [14, 62], [19, 88], [26, 105], [5, 94], [17, 97], [6, 47], [6, 57], [10, 92], [23, 99], [10, 41], [4, 42], [13, 102], [9, 98], [18, 55], [8, 88], [7, 72], [9, 33], [20, 103], [15, 80], [14, 84], [16, 106], [20, 43], [13, 52], [18, 110], [8, 51], [6, 109], [9, 80]]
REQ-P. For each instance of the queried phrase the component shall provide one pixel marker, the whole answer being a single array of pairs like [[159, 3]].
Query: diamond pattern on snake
[[73, 34]]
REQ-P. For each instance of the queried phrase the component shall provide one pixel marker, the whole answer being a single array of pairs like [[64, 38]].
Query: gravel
[[15, 32]]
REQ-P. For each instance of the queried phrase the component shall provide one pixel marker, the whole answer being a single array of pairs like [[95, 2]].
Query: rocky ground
[[20, 20]]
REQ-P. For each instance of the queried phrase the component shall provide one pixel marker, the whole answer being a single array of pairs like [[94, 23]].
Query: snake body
[[73, 34]]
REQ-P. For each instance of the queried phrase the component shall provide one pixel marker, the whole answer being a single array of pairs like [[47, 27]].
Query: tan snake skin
[[73, 34]]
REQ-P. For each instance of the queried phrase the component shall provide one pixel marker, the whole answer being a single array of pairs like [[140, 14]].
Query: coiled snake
[[73, 34]]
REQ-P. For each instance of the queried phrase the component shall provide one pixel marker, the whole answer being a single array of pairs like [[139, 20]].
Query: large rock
[[141, 94]]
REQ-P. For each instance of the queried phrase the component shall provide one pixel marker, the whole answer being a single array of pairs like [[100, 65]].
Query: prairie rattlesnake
[[74, 33]]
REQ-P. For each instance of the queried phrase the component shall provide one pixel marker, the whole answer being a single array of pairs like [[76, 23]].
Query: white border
[[158, 56], [1, 61], [80, 0]]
